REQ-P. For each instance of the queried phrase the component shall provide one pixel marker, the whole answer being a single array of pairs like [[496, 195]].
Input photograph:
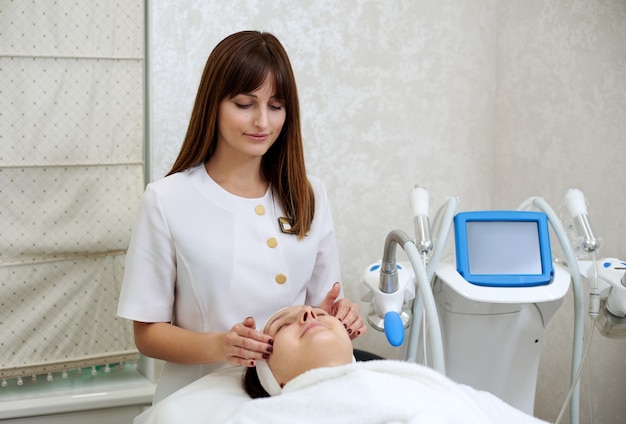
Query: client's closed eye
[[290, 317]]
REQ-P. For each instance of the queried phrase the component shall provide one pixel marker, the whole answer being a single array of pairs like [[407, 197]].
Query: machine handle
[[394, 328]]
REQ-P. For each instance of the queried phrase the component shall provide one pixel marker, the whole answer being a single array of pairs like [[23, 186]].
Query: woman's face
[[306, 338], [249, 123]]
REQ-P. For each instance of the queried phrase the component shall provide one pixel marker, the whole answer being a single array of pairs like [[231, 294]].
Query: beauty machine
[[483, 315]]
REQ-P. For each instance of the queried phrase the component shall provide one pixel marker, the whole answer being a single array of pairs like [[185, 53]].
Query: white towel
[[378, 392], [211, 399]]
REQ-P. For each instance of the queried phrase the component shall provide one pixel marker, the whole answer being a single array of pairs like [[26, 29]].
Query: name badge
[[285, 225]]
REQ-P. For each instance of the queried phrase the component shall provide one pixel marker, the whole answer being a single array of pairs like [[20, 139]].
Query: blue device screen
[[503, 248]]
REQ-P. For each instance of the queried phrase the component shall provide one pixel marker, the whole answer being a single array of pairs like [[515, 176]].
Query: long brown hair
[[240, 64]]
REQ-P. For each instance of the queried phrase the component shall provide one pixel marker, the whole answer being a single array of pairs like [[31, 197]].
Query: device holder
[[389, 312]]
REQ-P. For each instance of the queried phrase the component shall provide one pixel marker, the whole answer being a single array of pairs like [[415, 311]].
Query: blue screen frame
[[528, 230]]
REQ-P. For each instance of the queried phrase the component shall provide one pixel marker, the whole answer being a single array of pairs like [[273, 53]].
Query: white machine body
[[493, 336]]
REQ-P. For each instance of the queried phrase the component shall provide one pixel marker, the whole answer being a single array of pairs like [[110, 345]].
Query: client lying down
[[311, 377]]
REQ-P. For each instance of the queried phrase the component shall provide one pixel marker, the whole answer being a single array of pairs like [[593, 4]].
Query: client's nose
[[306, 313]]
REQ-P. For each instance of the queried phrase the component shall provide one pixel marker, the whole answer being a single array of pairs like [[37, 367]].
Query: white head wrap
[[267, 379], [266, 376]]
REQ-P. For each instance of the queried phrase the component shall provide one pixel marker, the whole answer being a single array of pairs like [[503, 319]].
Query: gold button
[[281, 278], [272, 242], [259, 209]]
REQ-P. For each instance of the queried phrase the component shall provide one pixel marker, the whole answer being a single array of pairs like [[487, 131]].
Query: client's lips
[[311, 326]]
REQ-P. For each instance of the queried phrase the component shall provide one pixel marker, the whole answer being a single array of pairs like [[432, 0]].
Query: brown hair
[[252, 384], [240, 64]]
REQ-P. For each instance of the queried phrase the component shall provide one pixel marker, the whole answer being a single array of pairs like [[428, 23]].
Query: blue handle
[[394, 328]]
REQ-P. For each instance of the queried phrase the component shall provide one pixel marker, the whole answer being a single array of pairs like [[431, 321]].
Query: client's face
[[306, 338]]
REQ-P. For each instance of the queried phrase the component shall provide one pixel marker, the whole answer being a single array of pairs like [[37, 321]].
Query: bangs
[[252, 70]]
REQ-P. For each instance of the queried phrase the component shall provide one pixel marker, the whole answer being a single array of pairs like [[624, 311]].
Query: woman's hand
[[243, 344], [345, 310]]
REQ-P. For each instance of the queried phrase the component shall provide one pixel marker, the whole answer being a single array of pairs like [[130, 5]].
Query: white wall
[[492, 101]]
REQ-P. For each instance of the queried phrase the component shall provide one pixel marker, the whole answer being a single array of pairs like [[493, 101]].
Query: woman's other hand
[[345, 310], [243, 344]]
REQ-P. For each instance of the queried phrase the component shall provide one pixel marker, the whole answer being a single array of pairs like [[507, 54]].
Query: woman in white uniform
[[237, 229]]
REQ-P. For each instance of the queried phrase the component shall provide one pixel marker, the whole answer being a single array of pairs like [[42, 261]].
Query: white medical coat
[[205, 259]]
